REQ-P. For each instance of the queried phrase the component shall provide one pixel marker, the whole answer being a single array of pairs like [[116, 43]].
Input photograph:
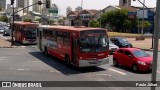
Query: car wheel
[[115, 62], [135, 68], [4, 33]]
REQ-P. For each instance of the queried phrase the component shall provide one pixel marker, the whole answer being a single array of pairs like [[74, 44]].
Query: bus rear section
[[25, 32], [81, 47]]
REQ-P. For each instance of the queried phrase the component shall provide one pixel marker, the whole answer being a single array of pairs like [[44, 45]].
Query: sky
[[93, 4]]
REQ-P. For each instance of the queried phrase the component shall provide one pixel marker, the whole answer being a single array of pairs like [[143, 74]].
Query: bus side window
[[54, 36], [59, 36], [66, 38], [37, 32]]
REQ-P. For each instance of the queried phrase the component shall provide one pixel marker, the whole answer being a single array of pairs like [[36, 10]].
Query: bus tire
[[45, 51], [67, 60]]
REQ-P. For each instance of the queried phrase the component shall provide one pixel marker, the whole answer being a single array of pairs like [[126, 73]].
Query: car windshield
[[96, 43], [140, 53], [110, 42], [122, 40]]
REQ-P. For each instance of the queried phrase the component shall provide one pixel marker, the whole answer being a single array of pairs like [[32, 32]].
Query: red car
[[134, 58]]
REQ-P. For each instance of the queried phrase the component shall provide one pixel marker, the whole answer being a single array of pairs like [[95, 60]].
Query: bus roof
[[72, 28], [25, 23]]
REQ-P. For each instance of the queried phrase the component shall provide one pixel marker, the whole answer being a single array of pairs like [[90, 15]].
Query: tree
[[27, 20], [94, 23], [117, 19], [50, 22], [61, 21], [145, 24], [4, 19]]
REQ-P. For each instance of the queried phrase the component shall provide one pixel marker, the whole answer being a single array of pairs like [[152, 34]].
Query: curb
[[148, 49], [6, 47]]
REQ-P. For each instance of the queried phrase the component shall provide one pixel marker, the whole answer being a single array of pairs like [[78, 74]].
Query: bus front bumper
[[29, 42], [87, 63]]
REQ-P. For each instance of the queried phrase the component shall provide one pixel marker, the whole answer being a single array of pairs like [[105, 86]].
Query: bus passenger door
[[40, 40], [74, 50]]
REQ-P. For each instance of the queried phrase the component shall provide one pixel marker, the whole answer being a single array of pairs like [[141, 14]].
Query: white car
[[112, 47], [1, 29], [7, 31]]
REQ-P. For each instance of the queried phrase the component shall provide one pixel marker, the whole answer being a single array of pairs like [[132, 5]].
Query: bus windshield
[[30, 32], [96, 43]]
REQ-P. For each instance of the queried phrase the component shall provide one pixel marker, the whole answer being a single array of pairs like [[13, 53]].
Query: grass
[[118, 34]]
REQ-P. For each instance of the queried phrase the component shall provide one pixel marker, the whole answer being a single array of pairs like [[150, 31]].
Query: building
[[2, 4], [85, 16], [22, 4], [68, 9], [78, 9], [124, 2], [36, 8]]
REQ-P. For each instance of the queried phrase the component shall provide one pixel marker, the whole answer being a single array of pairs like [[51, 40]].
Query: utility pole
[[143, 18], [156, 42], [12, 41], [81, 11]]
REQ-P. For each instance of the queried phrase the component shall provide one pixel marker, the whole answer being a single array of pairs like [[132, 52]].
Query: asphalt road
[[27, 63]]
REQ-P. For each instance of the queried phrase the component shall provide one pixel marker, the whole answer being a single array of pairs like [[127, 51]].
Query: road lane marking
[[33, 46], [1, 59], [158, 72], [23, 46], [117, 71], [103, 74], [3, 37], [55, 71], [11, 68], [20, 69], [35, 61]]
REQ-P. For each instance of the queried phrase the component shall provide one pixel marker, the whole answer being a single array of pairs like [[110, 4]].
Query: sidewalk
[[4, 43], [143, 44]]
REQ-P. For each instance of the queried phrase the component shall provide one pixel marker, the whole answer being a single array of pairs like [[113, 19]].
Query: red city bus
[[25, 32], [79, 46]]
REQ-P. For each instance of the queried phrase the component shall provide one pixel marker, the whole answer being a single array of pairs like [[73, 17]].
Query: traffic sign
[[53, 11]]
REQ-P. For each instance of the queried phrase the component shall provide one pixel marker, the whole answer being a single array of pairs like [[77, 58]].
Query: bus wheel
[[67, 60], [45, 51]]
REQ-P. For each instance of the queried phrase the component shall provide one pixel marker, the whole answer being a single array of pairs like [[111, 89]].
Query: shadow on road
[[61, 66]]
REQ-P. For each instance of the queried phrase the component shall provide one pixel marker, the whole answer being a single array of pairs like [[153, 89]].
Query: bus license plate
[[94, 62]]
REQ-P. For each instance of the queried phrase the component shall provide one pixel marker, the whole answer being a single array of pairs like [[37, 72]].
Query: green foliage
[[118, 19], [77, 22], [144, 23], [27, 20], [94, 23], [50, 22], [60, 21], [4, 19]]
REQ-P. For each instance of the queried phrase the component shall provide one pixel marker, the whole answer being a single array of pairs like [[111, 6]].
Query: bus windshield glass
[[30, 32], [93, 43]]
